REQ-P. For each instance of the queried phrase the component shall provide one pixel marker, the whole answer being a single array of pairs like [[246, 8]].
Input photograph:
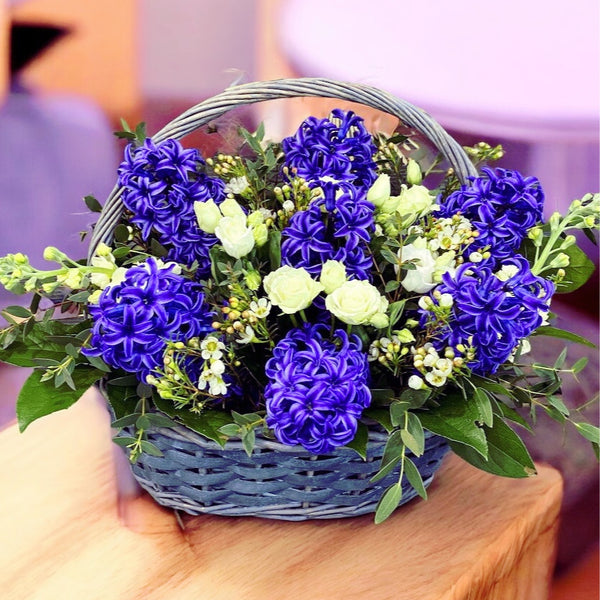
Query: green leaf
[[563, 335], [398, 410], [416, 398], [150, 448], [395, 311], [389, 256], [206, 423], [381, 416], [17, 311], [414, 477], [577, 272], [359, 443], [557, 402], [391, 286], [248, 440], [392, 455], [124, 441], [388, 503], [93, 204], [121, 233], [125, 421], [275, 249], [484, 406], [158, 420], [231, 430], [40, 398], [580, 365], [455, 419], [507, 455], [414, 436], [589, 432]]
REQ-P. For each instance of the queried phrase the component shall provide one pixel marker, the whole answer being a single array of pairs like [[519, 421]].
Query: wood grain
[[66, 535]]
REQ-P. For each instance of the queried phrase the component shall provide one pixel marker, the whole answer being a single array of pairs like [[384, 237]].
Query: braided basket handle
[[250, 93]]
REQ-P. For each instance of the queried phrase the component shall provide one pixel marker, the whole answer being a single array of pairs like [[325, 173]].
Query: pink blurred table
[[524, 71]]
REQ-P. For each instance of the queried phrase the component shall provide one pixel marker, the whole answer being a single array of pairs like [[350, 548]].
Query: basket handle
[[250, 93]]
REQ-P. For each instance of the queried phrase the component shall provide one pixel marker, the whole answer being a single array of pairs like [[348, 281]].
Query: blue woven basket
[[196, 475]]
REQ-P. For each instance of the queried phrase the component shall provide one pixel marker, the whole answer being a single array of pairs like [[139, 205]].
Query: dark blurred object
[[28, 41]]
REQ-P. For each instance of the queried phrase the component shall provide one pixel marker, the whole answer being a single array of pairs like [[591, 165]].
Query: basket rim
[[251, 93]]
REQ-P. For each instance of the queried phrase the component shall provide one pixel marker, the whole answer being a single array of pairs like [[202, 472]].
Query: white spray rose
[[208, 215], [333, 274], [415, 200], [357, 302], [420, 279], [235, 236], [291, 289]]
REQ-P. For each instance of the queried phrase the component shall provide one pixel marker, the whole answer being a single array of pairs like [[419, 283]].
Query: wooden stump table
[[66, 534]]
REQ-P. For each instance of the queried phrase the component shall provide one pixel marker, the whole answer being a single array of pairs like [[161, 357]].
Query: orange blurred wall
[[98, 59]]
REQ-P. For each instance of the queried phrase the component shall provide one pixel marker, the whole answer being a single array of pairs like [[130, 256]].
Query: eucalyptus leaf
[[392, 455], [414, 436], [150, 448], [414, 478], [398, 410], [563, 335], [388, 503]]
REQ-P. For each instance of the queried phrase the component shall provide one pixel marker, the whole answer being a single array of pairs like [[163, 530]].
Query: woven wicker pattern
[[197, 476], [250, 93]]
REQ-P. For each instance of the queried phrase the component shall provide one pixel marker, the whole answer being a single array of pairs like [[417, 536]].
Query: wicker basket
[[196, 475]]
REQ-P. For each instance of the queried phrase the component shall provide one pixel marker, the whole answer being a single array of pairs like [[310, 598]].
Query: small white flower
[[211, 348], [435, 379], [425, 303], [443, 366], [260, 308], [217, 387], [247, 336], [475, 257], [237, 185], [217, 367], [506, 272], [288, 206]]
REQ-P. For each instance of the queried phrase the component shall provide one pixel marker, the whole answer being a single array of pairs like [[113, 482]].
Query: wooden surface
[[66, 535]]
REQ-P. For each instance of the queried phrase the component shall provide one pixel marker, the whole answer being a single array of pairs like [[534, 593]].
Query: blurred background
[[524, 74]]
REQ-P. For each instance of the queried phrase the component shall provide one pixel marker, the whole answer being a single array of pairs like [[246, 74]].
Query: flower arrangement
[[308, 291]]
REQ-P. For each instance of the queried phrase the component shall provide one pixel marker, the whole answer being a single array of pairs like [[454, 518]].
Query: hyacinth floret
[[161, 185], [502, 205], [490, 312], [336, 226], [134, 320], [318, 388], [339, 148]]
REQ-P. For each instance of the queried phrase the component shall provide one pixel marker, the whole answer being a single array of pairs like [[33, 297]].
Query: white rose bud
[[357, 302], [230, 208], [380, 191], [237, 239], [261, 234], [291, 289], [413, 172], [333, 274], [416, 383], [208, 215]]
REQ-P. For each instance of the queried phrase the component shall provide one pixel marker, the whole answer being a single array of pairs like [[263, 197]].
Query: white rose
[[380, 191], [291, 289], [357, 302], [208, 215], [237, 239], [333, 274], [415, 200], [420, 279]]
